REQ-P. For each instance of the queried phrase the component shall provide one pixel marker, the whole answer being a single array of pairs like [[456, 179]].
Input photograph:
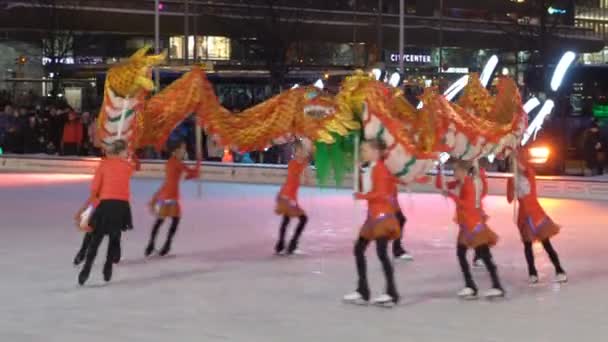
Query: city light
[[560, 71], [488, 70], [531, 104], [456, 88], [537, 123], [539, 154], [319, 84], [553, 10], [395, 79], [295, 86], [377, 73]]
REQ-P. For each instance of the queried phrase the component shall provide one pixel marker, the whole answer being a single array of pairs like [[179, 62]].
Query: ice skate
[[478, 263], [494, 293], [293, 248], [107, 271], [79, 258], [533, 280], [467, 293], [149, 250], [385, 300], [84, 275], [165, 250], [296, 252], [561, 278], [355, 298], [279, 248], [405, 256]]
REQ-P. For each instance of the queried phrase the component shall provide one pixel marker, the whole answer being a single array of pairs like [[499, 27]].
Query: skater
[[165, 202], [112, 216], [474, 233], [381, 226], [86, 239], [532, 221], [365, 185], [287, 199]]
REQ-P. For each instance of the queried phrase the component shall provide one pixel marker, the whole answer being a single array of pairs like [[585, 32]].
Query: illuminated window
[[208, 48]]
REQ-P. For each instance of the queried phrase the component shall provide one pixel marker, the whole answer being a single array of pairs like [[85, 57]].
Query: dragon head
[[128, 78]]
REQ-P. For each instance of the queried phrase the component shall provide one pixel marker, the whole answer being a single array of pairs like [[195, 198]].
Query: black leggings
[[293, 244], [113, 253], [550, 251], [86, 241], [387, 267], [170, 235], [484, 254], [398, 243]]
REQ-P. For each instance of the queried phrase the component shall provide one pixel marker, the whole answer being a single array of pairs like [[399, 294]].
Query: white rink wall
[[551, 187]]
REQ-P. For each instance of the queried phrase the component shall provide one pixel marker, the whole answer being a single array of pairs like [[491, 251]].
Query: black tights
[[550, 251], [398, 243], [170, 235], [387, 267], [84, 246], [94, 240], [484, 254], [293, 244]]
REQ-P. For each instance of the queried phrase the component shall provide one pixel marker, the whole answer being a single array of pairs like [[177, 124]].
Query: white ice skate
[[467, 293], [478, 263], [533, 280], [561, 278], [405, 257], [384, 301], [355, 298], [494, 293], [297, 252]]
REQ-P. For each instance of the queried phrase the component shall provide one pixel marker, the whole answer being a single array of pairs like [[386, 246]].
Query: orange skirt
[[288, 207], [383, 227], [481, 235], [543, 231], [168, 208]]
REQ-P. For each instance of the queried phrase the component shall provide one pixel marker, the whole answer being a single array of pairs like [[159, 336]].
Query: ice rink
[[222, 282]]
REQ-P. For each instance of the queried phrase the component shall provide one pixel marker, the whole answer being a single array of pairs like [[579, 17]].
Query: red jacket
[[111, 180], [292, 183], [469, 212], [73, 132], [527, 197], [173, 174], [380, 199]]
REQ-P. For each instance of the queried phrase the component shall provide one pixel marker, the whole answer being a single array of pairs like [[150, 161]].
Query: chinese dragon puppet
[[477, 125]]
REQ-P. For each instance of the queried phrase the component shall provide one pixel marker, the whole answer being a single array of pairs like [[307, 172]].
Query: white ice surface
[[223, 284]]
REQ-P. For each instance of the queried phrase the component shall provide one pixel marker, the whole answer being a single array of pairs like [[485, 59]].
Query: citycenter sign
[[411, 58]]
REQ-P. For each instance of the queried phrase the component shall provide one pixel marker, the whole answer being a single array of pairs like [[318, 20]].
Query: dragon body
[[478, 125]]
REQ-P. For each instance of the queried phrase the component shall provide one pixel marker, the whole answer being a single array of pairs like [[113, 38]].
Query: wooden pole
[[356, 164], [199, 154]]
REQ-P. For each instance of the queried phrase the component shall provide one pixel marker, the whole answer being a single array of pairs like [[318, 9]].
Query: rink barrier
[[555, 187]]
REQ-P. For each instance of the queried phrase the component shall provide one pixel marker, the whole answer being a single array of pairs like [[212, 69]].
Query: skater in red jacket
[[473, 233], [532, 221], [381, 226], [165, 202], [112, 215], [287, 200]]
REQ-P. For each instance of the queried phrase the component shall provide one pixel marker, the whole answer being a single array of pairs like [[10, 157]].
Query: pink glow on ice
[[25, 179]]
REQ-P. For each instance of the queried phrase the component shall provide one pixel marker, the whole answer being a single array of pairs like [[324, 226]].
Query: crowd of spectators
[[60, 130], [48, 130]]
